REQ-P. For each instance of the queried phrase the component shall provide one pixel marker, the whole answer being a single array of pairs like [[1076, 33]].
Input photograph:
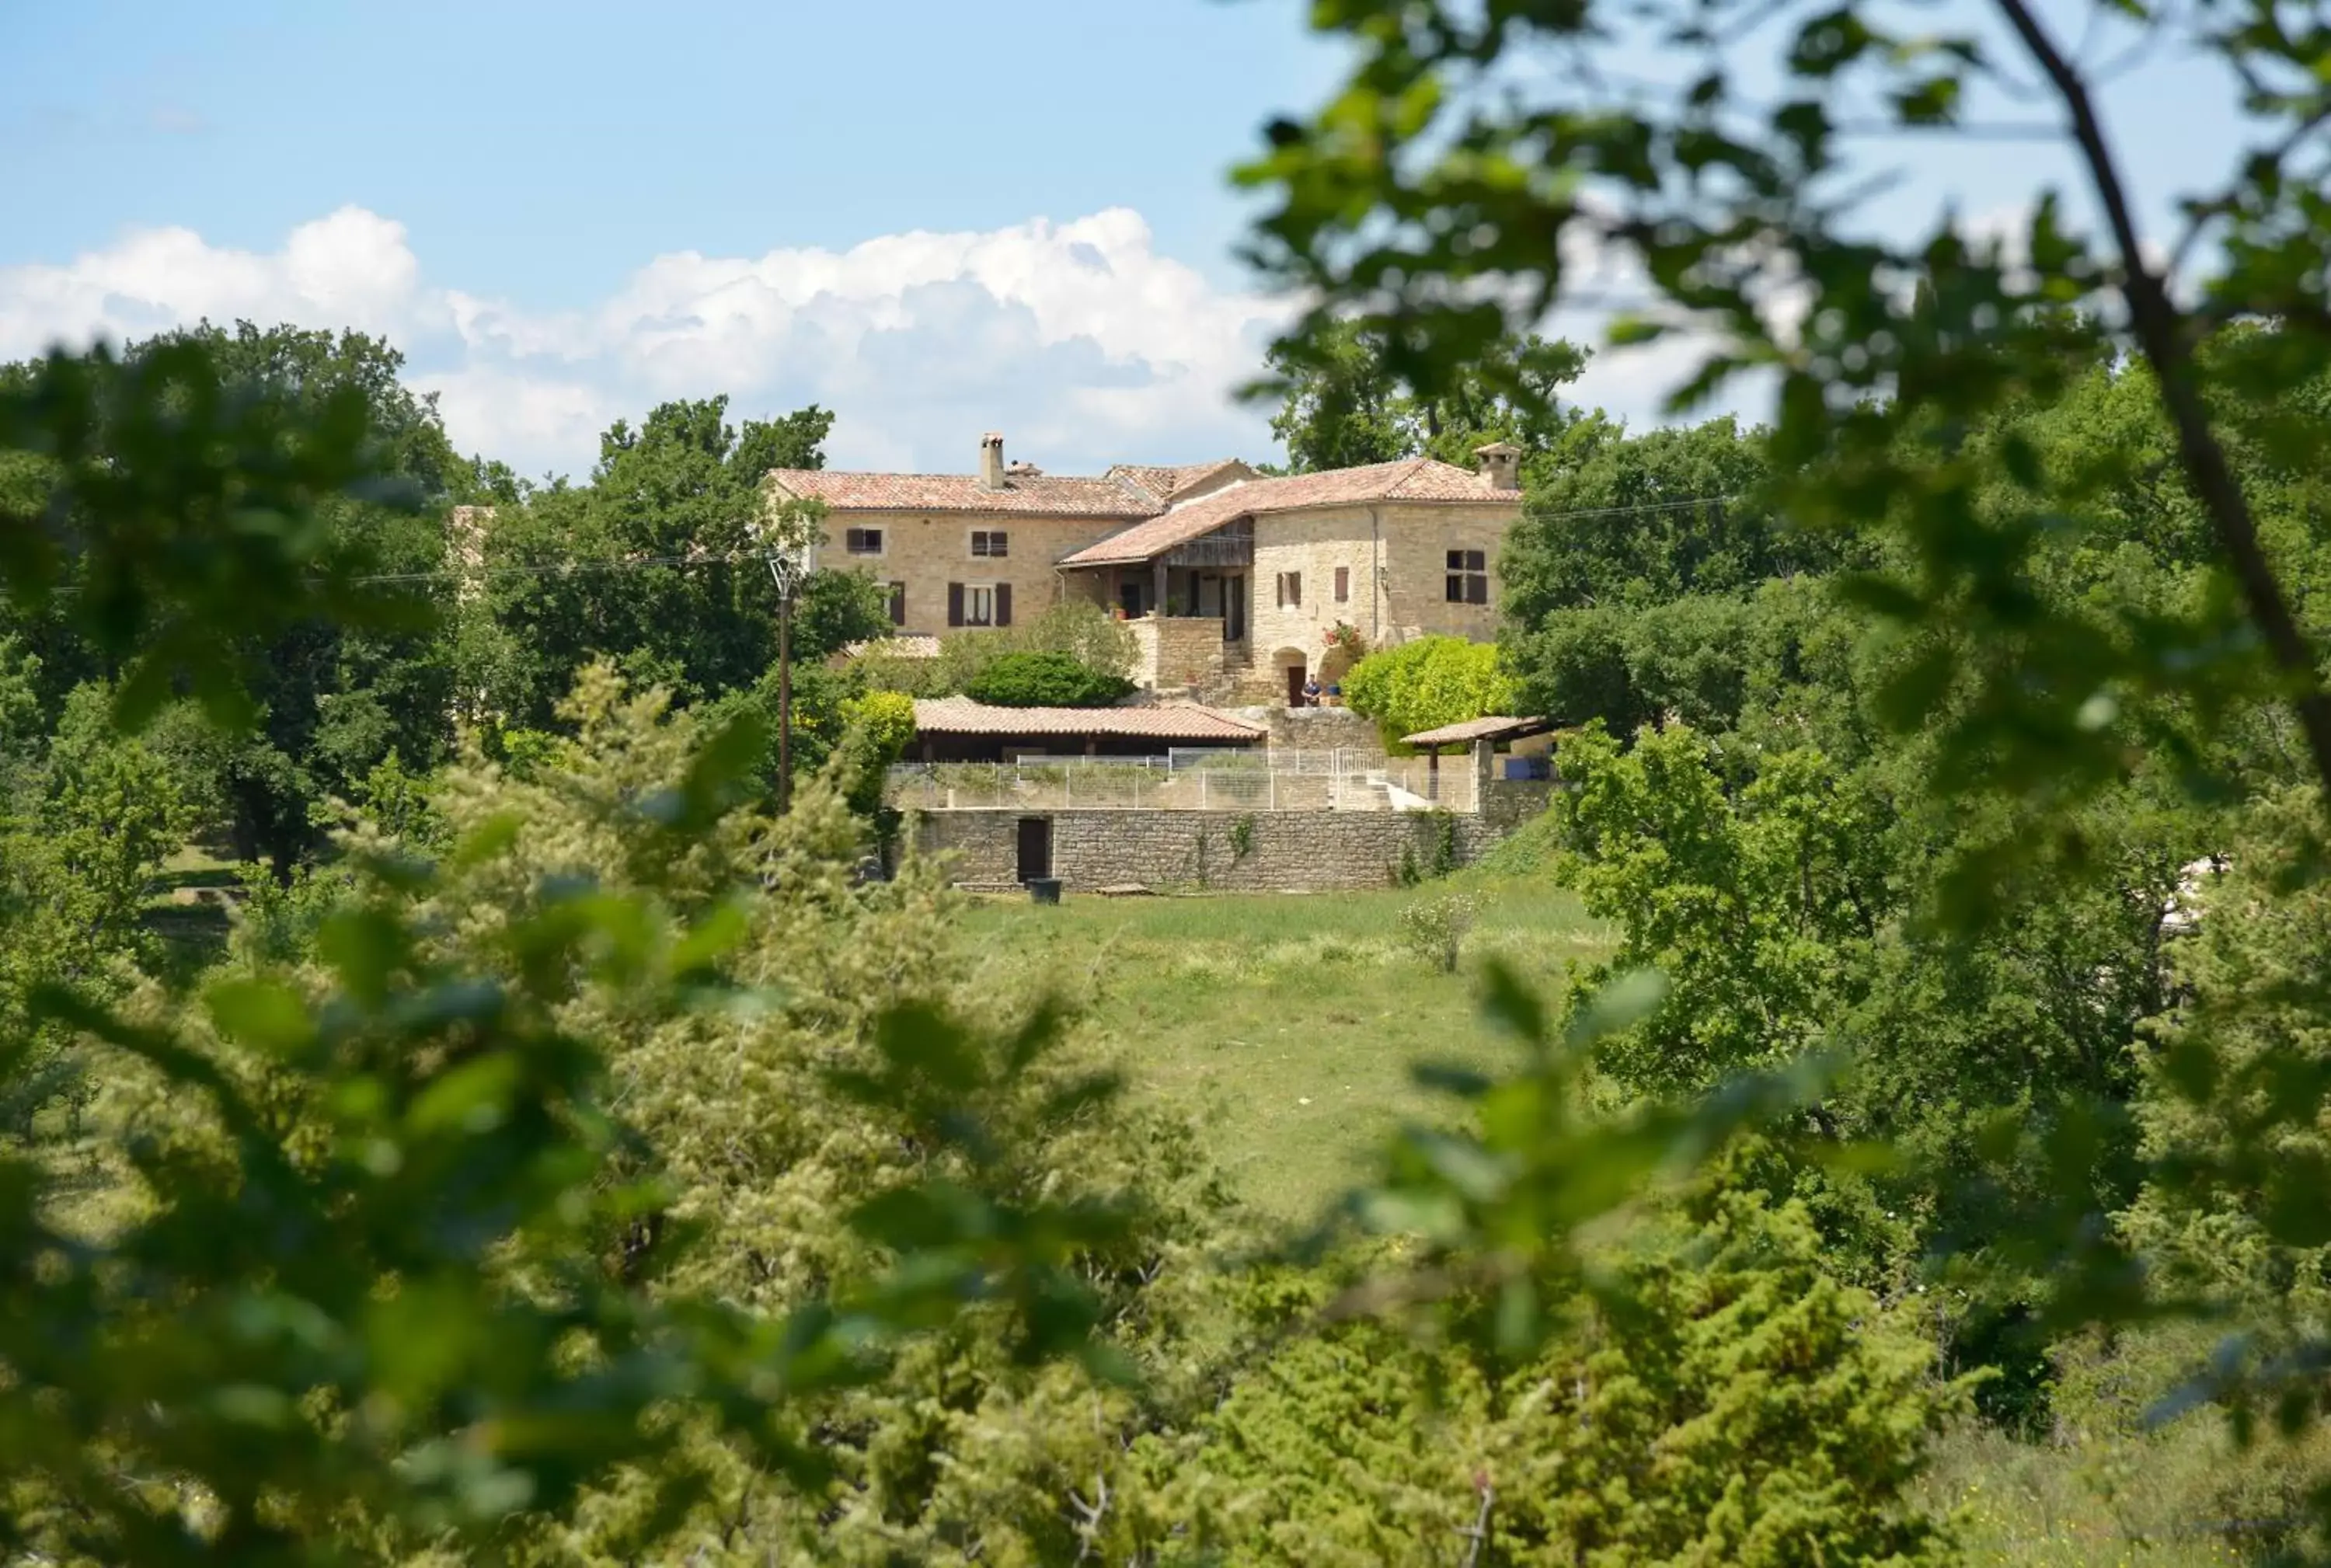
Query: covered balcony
[[1187, 604]]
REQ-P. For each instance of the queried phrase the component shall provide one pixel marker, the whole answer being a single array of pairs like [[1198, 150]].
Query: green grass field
[[1286, 1025]]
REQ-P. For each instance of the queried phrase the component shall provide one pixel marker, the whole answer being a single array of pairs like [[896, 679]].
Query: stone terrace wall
[[1315, 728], [1180, 651], [1507, 803], [1287, 851]]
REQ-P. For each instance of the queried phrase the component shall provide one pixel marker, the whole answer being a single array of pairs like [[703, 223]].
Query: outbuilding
[[957, 729]]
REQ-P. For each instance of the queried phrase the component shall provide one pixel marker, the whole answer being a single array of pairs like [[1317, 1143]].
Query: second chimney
[[990, 460], [1500, 465]]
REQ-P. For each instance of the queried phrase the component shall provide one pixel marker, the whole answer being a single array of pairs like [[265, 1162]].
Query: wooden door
[[1295, 686]]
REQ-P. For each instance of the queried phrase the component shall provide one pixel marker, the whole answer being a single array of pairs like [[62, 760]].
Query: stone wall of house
[[1393, 564], [1417, 542], [1286, 852], [1296, 556], [1394, 578], [928, 553]]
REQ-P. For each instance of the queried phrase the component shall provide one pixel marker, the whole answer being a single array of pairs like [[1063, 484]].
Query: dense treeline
[[655, 562]]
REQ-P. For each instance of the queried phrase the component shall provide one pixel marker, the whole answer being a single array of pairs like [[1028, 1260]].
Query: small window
[[862, 541], [1342, 584], [993, 543], [898, 603], [1469, 577], [1290, 589]]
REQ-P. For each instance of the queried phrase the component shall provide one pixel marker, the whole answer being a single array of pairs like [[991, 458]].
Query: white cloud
[[1077, 339], [352, 268]]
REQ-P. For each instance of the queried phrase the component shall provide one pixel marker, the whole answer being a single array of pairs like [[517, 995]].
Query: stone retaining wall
[[1314, 729], [1507, 803], [1287, 851]]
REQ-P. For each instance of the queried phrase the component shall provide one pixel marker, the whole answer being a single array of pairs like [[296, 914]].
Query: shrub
[[1427, 683], [396, 800], [877, 728], [1084, 632], [1720, 1397], [1045, 680], [887, 716], [1434, 928], [1444, 843]]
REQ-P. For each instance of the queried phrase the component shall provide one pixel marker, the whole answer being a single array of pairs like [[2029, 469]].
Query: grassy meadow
[[1286, 1025]]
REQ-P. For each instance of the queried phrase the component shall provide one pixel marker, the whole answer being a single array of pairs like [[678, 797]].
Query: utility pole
[[785, 570]]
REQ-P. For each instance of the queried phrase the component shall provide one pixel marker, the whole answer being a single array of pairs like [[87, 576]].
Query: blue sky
[[565, 212]]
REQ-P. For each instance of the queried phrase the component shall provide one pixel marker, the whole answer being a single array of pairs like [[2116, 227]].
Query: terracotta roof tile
[[1420, 478], [1497, 727], [1166, 482], [1061, 495], [1168, 722]]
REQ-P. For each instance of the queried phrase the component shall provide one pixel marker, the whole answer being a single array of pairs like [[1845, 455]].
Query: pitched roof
[[1497, 727], [1168, 721], [1416, 478], [1165, 483], [1056, 495]]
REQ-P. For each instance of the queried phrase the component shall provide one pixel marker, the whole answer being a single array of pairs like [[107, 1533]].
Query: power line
[[1674, 506]]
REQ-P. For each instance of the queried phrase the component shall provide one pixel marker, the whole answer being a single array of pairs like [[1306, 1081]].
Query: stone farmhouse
[[1229, 580]]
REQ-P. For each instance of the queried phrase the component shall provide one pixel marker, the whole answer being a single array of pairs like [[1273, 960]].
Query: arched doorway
[[1293, 670]]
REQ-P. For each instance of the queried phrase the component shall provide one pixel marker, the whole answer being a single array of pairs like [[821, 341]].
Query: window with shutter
[[1290, 589], [990, 543], [862, 541], [986, 605]]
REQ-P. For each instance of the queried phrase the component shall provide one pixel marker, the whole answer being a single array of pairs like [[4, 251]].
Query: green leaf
[[260, 1013], [470, 1098]]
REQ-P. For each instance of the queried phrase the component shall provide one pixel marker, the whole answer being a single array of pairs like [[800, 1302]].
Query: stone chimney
[[1501, 465], [990, 460]]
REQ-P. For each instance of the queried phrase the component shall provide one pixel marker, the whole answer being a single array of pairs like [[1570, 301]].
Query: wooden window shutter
[[1003, 603], [1295, 588], [898, 603], [1342, 584], [955, 603]]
